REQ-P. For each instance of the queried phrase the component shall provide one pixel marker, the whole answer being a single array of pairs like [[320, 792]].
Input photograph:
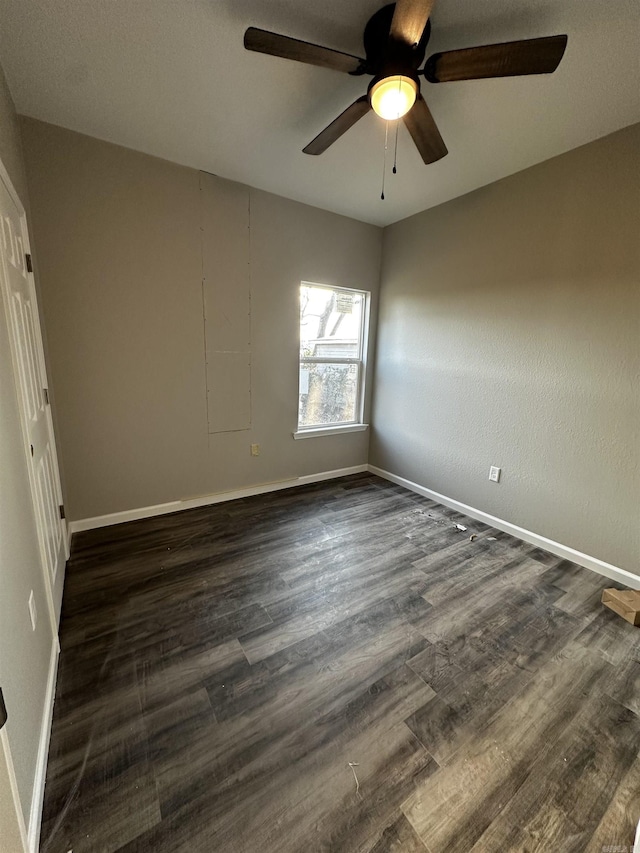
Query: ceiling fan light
[[393, 97]]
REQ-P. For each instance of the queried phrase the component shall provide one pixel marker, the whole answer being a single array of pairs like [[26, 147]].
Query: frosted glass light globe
[[393, 97]]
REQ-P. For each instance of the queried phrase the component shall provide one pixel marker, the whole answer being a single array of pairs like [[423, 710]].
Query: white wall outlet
[[494, 474], [255, 450], [33, 612]]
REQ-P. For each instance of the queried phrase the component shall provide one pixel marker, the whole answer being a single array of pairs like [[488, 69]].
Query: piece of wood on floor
[[624, 602]]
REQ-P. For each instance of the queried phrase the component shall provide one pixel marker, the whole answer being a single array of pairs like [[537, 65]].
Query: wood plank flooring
[[221, 668]]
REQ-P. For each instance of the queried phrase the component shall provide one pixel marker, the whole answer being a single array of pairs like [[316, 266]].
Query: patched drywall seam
[[226, 288]]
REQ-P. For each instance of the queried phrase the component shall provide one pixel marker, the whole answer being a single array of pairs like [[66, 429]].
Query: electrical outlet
[[255, 450], [494, 474], [33, 612]]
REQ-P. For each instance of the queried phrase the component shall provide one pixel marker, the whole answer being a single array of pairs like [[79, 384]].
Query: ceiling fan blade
[[339, 126], [530, 56], [273, 44], [424, 131], [409, 20]]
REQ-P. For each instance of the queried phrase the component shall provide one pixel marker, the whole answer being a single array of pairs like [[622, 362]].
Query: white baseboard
[[5, 752], [614, 573], [329, 475], [37, 800], [593, 563], [206, 500]]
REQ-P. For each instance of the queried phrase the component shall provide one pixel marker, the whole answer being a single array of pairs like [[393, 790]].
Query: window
[[333, 323]]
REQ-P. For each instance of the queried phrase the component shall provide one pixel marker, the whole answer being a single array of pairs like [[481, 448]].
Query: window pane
[[328, 394], [330, 322]]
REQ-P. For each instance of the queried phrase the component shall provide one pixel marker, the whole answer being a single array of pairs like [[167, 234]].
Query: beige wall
[[509, 335], [120, 251], [24, 654]]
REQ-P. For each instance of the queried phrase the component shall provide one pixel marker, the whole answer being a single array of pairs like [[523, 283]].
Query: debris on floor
[[473, 537], [353, 765], [624, 602]]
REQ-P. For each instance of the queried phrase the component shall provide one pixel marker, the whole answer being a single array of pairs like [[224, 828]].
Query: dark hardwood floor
[[338, 668]]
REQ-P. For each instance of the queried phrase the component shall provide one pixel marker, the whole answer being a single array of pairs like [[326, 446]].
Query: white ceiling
[[171, 78]]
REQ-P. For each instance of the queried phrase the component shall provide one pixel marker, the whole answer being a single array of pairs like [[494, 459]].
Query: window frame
[[357, 424]]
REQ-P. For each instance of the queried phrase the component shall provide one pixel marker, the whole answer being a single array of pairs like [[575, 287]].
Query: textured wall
[[24, 654], [119, 245], [509, 335]]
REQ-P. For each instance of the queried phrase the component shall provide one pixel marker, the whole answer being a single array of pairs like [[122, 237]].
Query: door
[[31, 382], [12, 827]]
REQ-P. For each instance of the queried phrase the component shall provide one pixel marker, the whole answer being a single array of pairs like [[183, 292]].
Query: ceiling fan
[[395, 41]]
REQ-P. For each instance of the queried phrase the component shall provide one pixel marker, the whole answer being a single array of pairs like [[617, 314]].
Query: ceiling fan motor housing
[[387, 56]]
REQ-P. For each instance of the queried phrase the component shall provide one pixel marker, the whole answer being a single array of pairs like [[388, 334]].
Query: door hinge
[[61, 510], [27, 258], [45, 392], [3, 710]]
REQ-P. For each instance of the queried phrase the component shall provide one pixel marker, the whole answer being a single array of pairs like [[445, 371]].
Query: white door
[[31, 381], [13, 833]]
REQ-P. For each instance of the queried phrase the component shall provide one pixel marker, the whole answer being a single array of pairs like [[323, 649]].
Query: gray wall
[[509, 335], [120, 249], [24, 654], [509, 332]]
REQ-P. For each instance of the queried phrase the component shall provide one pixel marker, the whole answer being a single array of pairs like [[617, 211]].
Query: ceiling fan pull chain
[[384, 161], [395, 150], [395, 153]]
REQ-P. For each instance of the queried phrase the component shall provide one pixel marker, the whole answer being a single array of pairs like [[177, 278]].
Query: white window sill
[[333, 430]]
